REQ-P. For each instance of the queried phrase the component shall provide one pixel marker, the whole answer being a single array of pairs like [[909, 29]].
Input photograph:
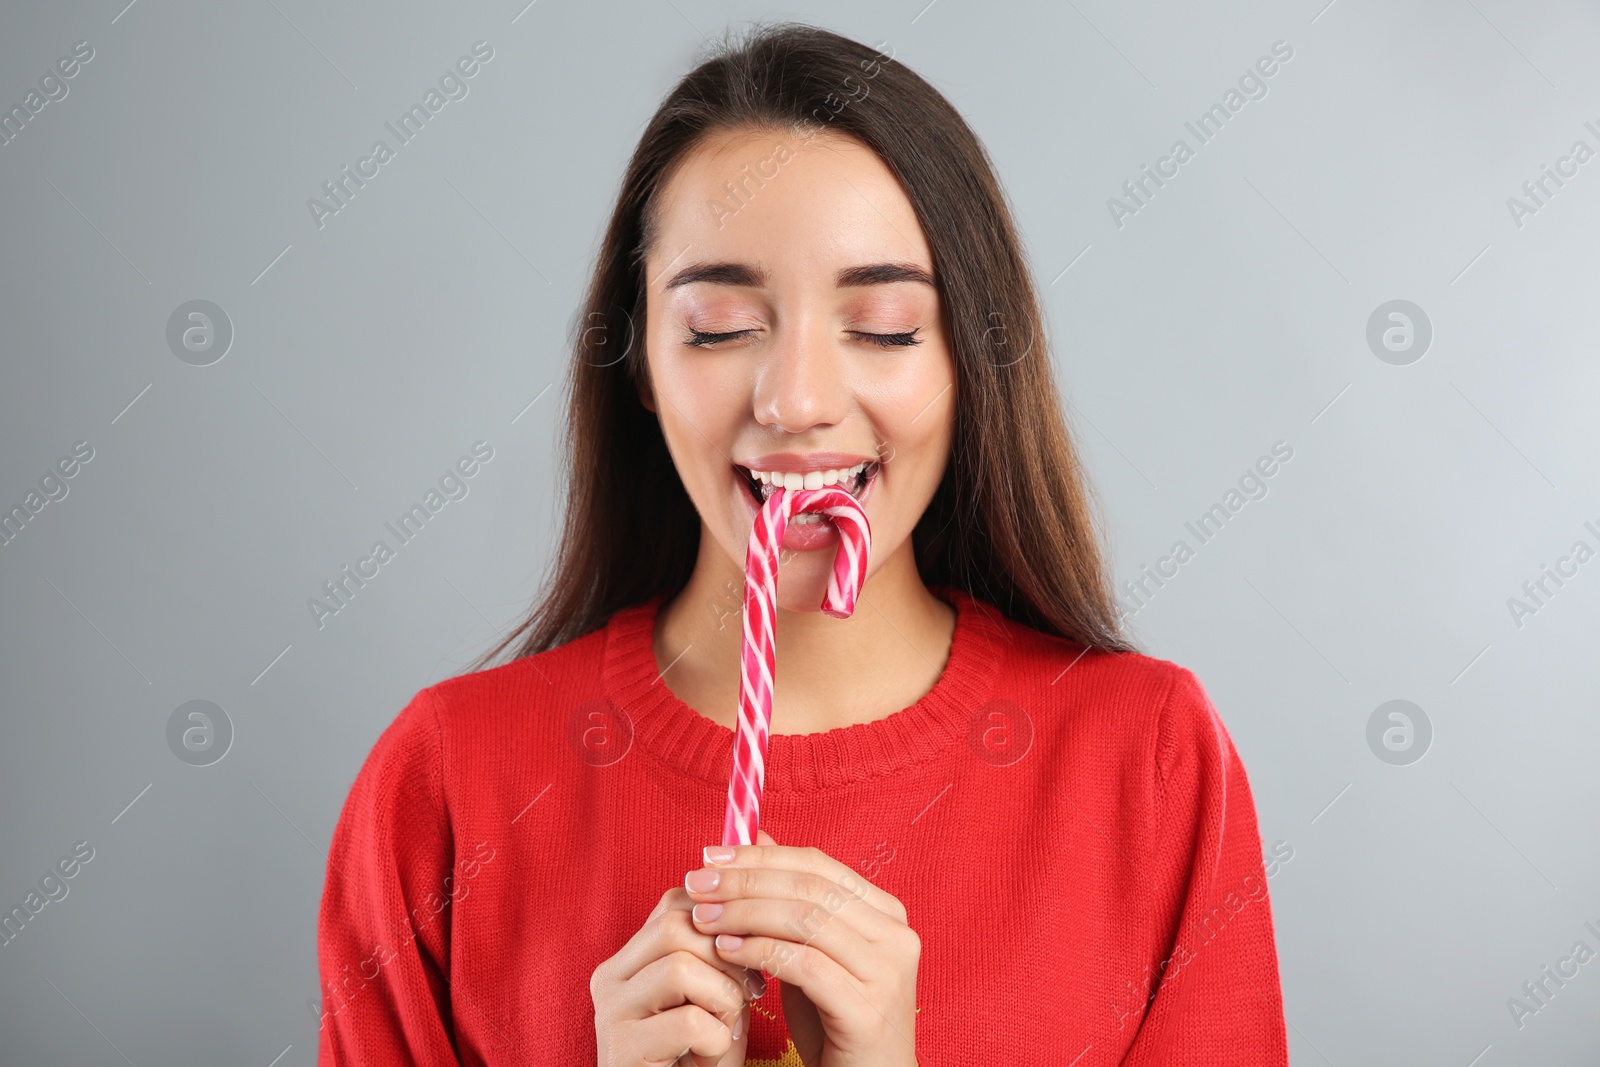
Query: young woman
[[998, 832]]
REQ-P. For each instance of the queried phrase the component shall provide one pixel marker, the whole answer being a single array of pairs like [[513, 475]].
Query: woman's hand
[[840, 946], [667, 996]]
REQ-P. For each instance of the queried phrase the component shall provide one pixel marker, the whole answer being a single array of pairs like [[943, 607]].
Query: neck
[[831, 672]]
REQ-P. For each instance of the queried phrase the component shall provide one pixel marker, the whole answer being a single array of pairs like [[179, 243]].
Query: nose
[[802, 383]]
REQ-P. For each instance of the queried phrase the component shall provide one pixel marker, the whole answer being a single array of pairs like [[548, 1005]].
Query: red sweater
[[1071, 833]]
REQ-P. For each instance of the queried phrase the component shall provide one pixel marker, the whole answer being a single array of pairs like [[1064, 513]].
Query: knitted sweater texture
[[1070, 830]]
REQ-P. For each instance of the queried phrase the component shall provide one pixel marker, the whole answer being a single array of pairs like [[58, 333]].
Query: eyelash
[[882, 340]]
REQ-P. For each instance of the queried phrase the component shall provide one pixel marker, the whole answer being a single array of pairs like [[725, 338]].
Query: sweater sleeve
[[1214, 996], [383, 935]]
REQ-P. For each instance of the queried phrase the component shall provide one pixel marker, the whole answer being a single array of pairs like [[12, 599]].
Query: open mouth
[[762, 484]]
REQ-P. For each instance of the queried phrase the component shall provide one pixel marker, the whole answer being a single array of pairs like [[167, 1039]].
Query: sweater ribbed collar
[[684, 739]]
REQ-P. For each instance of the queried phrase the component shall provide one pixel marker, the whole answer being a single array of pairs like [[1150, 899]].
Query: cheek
[[914, 411], [699, 402]]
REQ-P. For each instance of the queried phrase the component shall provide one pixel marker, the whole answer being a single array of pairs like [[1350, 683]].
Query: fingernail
[[717, 853], [760, 987], [729, 941], [701, 881], [704, 913], [738, 1025]]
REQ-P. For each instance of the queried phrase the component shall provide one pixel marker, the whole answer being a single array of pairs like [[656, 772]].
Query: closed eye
[[892, 340], [700, 337], [882, 340]]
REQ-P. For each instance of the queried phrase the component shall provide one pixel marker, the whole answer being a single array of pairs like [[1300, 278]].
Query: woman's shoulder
[[1053, 667], [1125, 706], [494, 697], [506, 707]]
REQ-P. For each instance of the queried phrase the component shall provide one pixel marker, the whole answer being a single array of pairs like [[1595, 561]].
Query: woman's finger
[[829, 900], [879, 1014], [803, 922], [669, 930], [807, 860], [682, 977], [665, 1038], [837, 994]]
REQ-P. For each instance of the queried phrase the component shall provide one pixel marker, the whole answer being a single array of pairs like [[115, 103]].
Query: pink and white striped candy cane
[[760, 654]]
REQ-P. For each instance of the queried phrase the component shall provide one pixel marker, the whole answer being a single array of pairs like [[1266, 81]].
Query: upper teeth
[[810, 479]]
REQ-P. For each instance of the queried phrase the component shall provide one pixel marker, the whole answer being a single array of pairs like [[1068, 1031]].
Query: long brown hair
[[1010, 522]]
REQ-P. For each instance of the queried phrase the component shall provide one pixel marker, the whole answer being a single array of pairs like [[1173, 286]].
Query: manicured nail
[[717, 853], [738, 1025], [729, 942], [704, 913], [701, 881]]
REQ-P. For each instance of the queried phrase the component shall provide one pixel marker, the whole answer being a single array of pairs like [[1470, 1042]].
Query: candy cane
[[759, 657]]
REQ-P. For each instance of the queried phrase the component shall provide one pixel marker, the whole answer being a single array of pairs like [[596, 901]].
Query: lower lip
[[804, 536]]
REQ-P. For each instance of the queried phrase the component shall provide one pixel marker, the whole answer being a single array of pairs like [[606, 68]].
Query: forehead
[[793, 204]]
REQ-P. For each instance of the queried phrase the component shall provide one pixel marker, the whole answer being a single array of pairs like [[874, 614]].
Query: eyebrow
[[746, 275]]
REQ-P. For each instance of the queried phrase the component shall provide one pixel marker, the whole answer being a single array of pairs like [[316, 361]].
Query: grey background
[[1229, 313]]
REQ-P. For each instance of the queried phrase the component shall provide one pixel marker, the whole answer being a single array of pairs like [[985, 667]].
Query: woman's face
[[807, 258]]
